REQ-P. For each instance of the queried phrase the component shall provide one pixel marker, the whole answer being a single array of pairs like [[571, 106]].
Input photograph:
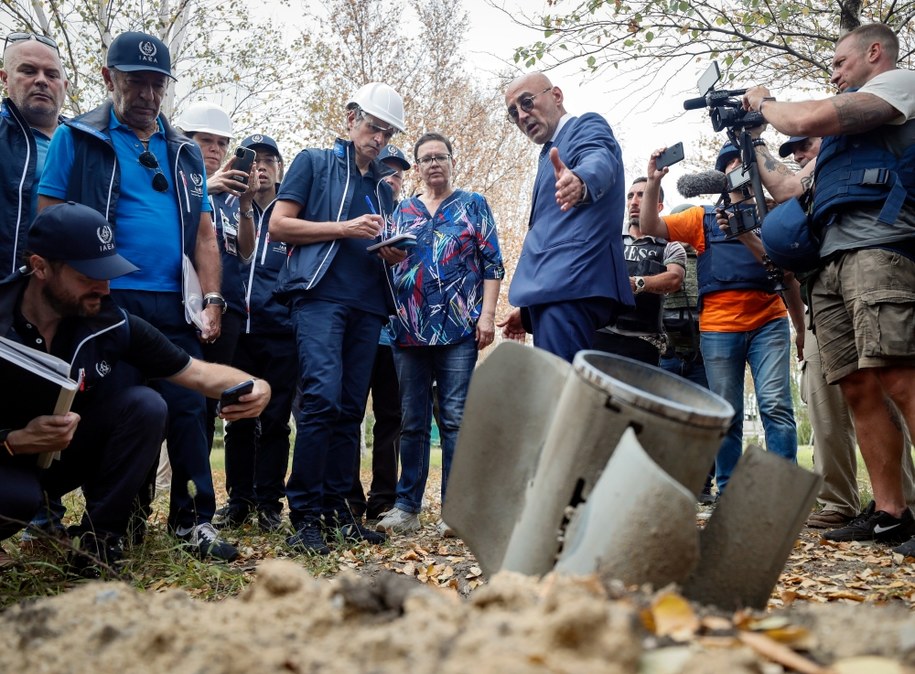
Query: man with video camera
[[863, 295], [742, 318]]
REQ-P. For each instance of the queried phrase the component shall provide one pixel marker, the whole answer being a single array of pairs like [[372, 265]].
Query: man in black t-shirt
[[110, 438]]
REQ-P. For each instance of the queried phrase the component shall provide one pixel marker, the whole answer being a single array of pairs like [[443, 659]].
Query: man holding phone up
[[742, 319]]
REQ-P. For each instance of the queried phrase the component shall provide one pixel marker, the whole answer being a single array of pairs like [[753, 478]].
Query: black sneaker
[[204, 541], [231, 516], [350, 529], [308, 538], [875, 525], [269, 520]]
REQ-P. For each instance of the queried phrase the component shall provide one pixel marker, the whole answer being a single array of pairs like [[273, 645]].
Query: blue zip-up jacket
[[266, 316], [329, 200], [95, 179], [17, 175]]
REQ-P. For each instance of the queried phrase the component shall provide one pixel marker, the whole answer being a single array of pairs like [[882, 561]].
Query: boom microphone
[[695, 103], [704, 182]]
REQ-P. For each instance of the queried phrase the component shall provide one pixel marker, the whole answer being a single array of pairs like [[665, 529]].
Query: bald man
[[571, 277], [36, 88]]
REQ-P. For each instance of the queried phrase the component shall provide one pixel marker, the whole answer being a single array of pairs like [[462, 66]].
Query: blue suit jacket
[[579, 253]]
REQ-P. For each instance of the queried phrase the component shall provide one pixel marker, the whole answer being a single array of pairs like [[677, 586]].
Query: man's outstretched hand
[[569, 187]]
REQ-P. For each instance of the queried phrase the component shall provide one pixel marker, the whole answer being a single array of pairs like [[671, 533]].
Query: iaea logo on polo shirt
[[105, 237], [148, 51]]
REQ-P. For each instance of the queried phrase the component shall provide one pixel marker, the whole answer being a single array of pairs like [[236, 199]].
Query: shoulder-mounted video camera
[[725, 105], [726, 110]]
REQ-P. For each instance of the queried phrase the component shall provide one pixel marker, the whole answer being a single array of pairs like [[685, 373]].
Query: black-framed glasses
[[437, 158], [526, 103], [12, 38], [159, 181]]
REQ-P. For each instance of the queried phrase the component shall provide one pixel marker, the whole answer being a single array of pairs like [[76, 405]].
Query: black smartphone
[[244, 159], [231, 395], [670, 156]]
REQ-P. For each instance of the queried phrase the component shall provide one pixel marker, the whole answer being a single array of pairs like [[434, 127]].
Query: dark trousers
[[222, 351], [565, 328], [336, 347], [628, 346], [257, 450], [385, 439], [115, 445], [188, 451]]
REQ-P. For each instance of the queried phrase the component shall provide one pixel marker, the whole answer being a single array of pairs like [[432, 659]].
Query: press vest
[[727, 264], [858, 169], [644, 257]]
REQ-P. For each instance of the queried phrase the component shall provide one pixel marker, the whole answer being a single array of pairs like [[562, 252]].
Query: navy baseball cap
[[725, 155], [257, 140], [392, 152], [81, 237], [132, 52], [787, 147]]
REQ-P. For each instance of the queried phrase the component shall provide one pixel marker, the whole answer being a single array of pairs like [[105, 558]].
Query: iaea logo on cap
[[148, 51], [391, 149], [257, 138], [106, 237]]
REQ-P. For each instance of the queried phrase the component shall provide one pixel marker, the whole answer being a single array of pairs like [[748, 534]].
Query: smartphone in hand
[[670, 156], [232, 395], [244, 159]]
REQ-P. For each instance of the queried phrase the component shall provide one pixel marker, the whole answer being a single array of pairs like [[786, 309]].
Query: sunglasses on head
[[159, 181], [526, 103], [13, 38]]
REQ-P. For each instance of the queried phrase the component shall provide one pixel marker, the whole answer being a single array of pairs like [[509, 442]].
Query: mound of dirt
[[287, 621]]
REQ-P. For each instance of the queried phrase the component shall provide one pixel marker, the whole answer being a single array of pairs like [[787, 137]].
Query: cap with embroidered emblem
[[80, 237], [133, 52]]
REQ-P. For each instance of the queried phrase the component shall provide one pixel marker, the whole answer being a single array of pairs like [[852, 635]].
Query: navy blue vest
[[727, 264], [858, 170]]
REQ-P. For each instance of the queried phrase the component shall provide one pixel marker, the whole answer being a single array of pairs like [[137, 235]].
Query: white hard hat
[[203, 117], [381, 101]]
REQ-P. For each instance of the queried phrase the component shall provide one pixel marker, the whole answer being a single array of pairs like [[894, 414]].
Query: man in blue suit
[[571, 277]]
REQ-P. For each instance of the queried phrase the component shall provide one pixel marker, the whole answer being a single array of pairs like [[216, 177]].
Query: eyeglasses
[[159, 181], [526, 104], [387, 132], [12, 38], [437, 158]]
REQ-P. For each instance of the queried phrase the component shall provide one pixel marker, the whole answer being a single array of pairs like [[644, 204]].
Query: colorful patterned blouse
[[438, 288]]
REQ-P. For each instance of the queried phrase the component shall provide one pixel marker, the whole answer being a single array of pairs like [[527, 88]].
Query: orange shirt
[[726, 310]]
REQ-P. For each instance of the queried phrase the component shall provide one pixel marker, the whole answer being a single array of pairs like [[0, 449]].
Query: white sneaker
[[444, 530], [204, 541], [399, 521]]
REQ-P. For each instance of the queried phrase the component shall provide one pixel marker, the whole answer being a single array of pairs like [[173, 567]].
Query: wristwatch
[[215, 298], [639, 284], [249, 213]]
